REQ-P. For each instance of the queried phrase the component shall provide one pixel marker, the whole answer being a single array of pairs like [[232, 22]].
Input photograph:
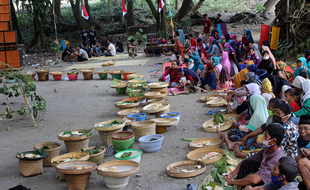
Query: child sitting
[[254, 57], [190, 64], [289, 97], [176, 56]]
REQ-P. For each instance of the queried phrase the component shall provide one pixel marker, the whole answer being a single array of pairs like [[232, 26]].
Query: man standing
[[218, 19], [119, 45], [92, 36], [84, 35], [81, 55], [256, 170], [111, 51], [104, 44], [304, 160], [206, 28]]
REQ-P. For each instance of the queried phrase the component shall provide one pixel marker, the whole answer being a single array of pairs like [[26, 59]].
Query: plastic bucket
[[135, 116], [103, 76], [126, 76], [121, 90], [123, 140], [151, 146], [73, 77], [117, 76], [57, 77], [135, 155]]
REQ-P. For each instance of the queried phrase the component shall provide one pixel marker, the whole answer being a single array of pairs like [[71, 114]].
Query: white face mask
[[266, 57]]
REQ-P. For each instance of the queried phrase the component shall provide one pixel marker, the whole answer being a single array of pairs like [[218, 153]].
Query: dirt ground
[[82, 103]]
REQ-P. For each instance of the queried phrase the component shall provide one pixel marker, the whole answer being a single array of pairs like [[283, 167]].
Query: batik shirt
[[290, 141]]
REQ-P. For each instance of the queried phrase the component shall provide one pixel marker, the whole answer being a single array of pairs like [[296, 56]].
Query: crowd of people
[[92, 47], [272, 129]]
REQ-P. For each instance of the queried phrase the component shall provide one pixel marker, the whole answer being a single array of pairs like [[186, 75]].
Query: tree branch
[[152, 7], [194, 9]]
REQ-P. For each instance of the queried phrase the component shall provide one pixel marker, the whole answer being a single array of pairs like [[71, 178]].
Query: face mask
[[274, 180], [301, 68], [266, 57], [200, 44], [266, 144], [270, 112]]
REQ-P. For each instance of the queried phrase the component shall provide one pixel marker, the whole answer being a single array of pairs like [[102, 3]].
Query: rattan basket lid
[[102, 72], [209, 126], [126, 112], [78, 155], [129, 72], [150, 95], [205, 143], [158, 85], [217, 102], [110, 128], [124, 168], [133, 76], [201, 152], [152, 108], [124, 85], [203, 99], [43, 71], [136, 81], [57, 73], [177, 169], [76, 167], [111, 62], [76, 138], [117, 72], [126, 106], [87, 70], [165, 122]]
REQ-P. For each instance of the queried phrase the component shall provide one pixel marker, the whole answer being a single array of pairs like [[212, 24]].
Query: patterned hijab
[[267, 87]]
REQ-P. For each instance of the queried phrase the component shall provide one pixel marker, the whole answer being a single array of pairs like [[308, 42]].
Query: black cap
[[304, 119]]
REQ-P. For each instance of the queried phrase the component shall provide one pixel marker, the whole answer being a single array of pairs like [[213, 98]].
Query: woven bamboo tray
[[31, 167], [164, 90], [77, 155], [136, 81], [52, 153], [148, 108], [133, 76], [150, 95], [217, 103], [60, 137], [126, 106], [117, 72], [102, 72], [57, 73], [119, 86], [126, 112], [150, 101], [125, 167], [202, 99], [165, 122], [68, 167], [109, 128], [175, 169], [222, 128], [201, 152], [158, 85], [128, 72], [215, 143], [87, 70], [143, 128]]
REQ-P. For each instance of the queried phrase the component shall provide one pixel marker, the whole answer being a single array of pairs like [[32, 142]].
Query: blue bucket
[[134, 116], [151, 146], [177, 116]]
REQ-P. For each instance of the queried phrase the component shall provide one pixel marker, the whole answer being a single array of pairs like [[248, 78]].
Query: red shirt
[[295, 106], [194, 42], [207, 25]]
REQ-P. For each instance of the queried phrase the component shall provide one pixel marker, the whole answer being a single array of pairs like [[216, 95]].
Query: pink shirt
[[226, 85]]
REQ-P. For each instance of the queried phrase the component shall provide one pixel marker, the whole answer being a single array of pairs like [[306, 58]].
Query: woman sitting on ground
[[265, 59], [173, 73], [216, 51], [240, 52], [225, 80], [258, 118], [229, 48], [202, 52], [225, 61], [305, 103], [234, 64], [191, 51], [302, 66], [198, 67], [210, 76], [216, 62], [280, 85], [267, 90], [240, 76], [287, 75]]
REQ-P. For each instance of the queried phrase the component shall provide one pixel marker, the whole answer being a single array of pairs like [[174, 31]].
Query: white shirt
[[112, 49], [83, 53]]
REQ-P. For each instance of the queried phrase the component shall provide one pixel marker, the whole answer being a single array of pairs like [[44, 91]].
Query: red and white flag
[[84, 12], [124, 8], [161, 5]]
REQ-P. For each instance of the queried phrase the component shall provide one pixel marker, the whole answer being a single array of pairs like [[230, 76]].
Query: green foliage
[[260, 7], [221, 165], [218, 118], [138, 37]]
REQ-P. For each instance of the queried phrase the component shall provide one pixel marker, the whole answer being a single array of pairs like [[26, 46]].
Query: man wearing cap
[[303, 160]]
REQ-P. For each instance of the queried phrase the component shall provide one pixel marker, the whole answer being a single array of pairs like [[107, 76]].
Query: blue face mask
[[301, 68], [274, 180]]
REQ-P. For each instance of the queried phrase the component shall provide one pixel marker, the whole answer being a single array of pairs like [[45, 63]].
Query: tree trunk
[[109, 11], [57, 8], [187, 9], [39, 41], [130, 14], [77, 14], [15, 23], [178, 4], [153, 9], [163, 19], [268, 5]]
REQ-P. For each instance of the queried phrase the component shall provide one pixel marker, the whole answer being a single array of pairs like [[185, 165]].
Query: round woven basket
[[60, 137], [150, 95], [148, 108], [52, 153], [110, 128], [165, 122], [73, 146], [126, 106], [78, 155], [126, 112], [175, 169], [203, 99], [213, 130], [30, 167], [158, 85], [150, 101], [157, 115], [57, 73], [106, 136], [215, 142], [133, 76], [136, 81], [143, 128], [217, 103], [102, 72], [201, 152]]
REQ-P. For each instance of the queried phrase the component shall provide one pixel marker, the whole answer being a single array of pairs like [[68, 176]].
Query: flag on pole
[[161, 5], [171, 23], [84, 12], [124, 9], [168, 3]]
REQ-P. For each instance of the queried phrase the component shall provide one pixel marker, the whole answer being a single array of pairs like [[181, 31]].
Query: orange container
[[126, 76], [161, 129]]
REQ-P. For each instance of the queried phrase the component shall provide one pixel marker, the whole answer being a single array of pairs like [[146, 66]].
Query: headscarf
[[224, 76], [227, 37], [306, 89], [225, 61], [252, 68], [260, 114], [189, 72], [215, 42], [228, 46], [191, 51], [281, 65], [222, 38], [210, 69], [232, 44], [253, 88], [239, 52], [267, 87], [255, 47], [196, 58], [249, 36], [262, 74], [298, 82], [182, 37], [232, 56], [251, 77], [277, 83], [304, 63], [240, 76], [217, 64], [210, 42]]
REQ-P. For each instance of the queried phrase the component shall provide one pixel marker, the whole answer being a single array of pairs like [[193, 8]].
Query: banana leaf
[[126, 155], [221, 165], [121, 103], [218, 118], [136, 93], [212, 184], [116, 82], [67, 132]]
